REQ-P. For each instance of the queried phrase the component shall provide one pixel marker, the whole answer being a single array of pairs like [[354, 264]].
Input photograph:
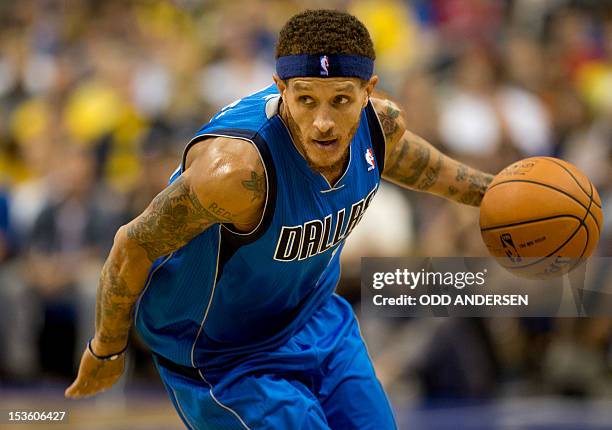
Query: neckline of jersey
[[317, 177]]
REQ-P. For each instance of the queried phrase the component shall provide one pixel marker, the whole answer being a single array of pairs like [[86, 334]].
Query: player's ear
[[280, 84], [370, 85]]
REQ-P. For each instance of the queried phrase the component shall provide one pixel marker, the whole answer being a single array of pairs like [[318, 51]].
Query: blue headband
[[324, 66]]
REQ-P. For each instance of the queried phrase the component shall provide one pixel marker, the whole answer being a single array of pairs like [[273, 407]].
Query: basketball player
[[236, 261]]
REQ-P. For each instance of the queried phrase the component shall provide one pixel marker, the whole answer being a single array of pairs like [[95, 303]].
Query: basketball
[[541, 217]]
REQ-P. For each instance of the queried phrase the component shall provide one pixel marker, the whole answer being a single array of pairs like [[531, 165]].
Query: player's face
[[323, 115]]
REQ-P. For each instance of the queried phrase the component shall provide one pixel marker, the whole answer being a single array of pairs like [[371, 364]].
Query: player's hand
[[95, 375]]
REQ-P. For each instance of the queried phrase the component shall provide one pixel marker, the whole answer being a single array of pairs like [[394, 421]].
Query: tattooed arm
[[413, 163], [224, 182]]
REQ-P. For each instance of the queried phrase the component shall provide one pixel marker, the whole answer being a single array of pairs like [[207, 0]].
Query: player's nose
[[323, 123]]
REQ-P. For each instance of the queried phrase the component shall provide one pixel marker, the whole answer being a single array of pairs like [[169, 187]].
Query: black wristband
[[109, 357]]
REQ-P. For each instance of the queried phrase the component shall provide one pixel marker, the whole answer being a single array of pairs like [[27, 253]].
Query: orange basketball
[[541, 217]]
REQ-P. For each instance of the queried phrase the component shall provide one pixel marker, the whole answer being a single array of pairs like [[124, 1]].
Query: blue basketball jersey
[[227, 294]]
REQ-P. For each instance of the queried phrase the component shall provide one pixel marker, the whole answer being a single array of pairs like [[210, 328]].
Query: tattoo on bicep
[[172, 219], [257, 184], [222, 213], [388, 119]]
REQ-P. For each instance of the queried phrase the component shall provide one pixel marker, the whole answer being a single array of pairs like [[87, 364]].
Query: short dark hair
[[324, 31]]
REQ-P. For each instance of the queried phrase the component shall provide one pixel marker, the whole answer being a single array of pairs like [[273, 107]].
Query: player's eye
[[306, 100], [341, 100]]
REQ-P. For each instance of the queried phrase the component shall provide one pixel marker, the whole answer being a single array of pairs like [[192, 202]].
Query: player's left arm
[[413, 163]]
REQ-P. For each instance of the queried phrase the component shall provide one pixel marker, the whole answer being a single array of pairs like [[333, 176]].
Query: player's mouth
[[325, 142]]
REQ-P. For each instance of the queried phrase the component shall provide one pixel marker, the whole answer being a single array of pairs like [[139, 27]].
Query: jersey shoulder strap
[[377, 136]]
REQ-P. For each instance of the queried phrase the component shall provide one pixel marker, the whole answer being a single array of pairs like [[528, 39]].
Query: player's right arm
[[224, 182]]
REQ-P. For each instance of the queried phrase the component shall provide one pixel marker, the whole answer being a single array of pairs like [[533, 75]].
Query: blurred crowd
[[98, 98]]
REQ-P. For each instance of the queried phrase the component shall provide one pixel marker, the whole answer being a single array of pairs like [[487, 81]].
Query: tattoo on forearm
[[431, 175], [99, 304], [174, 217], [478, 184], [412, 164], [461, 173], [115, 284], [388, 119], [257, 184], [409, 174], [113, 305]]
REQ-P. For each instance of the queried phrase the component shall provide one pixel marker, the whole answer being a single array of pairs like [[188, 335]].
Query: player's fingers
[[79, 392], [72, 391], [79, 388], [76, 389], [84, 388]]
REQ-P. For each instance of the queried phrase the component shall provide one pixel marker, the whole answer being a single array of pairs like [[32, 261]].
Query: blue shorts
[[322, 378]]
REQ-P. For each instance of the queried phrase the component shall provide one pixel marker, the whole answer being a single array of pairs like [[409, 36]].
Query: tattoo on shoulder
[[257, 184], [174, 217], [388, 119]]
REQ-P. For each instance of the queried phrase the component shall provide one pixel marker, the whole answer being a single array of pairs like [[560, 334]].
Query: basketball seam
[[553, 188], [579, 260], [586, 245], [531, 221], [552, 160], [591, 201], [568, 239], [584, 219]]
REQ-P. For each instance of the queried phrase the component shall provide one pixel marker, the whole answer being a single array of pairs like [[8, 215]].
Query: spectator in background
[[393, 28], [481, 117], [17, 361], [68, 239], [7, 240], [459, 363], [589, 146], [240, 69]]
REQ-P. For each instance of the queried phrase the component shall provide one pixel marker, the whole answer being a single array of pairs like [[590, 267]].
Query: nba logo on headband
[[324, 65], [317, 65]]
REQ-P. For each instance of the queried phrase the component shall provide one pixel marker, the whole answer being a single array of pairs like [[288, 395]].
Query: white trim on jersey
[[144, 290], [195, 341]]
